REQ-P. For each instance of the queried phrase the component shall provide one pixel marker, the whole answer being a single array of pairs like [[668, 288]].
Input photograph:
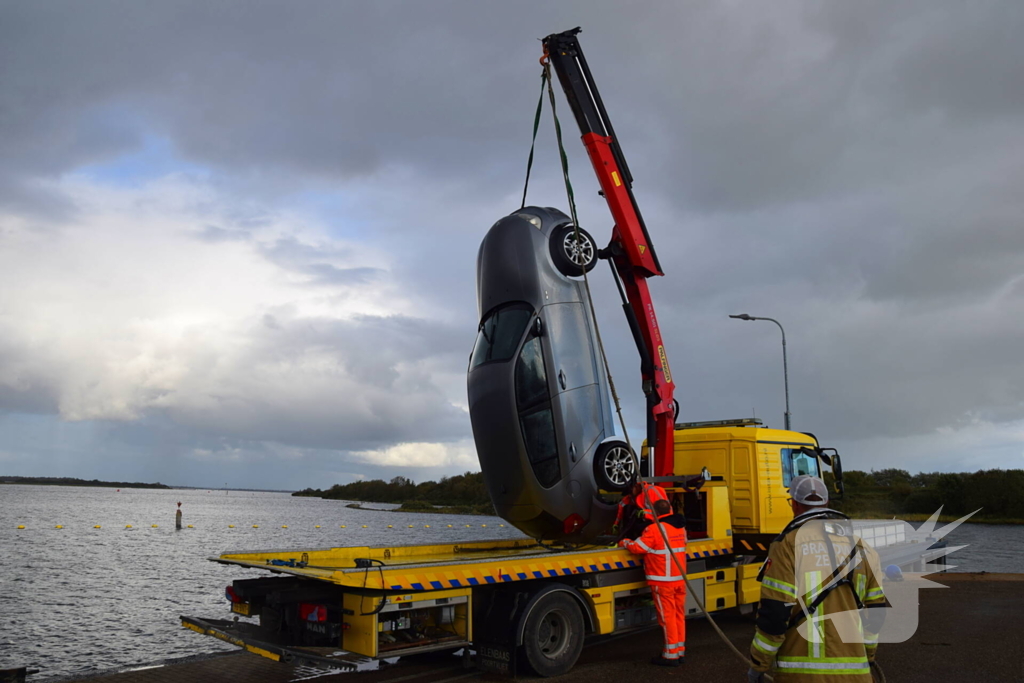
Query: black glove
[[754, 676]]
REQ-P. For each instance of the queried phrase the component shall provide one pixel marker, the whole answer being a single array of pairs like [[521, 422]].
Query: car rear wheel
[[553, 636], [572, 255], [614, 466]]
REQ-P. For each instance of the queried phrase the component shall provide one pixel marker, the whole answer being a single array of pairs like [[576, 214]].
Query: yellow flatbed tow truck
[[520, 603], [524, 604]]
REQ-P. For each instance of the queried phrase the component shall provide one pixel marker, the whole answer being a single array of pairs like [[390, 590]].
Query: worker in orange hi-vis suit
[[639, 502], [668, 587]]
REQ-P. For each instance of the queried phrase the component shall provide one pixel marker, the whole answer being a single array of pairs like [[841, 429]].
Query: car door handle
[[561, 378], [572, 451]]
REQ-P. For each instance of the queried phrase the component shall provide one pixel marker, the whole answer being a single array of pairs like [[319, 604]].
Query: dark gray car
[[538, 395]]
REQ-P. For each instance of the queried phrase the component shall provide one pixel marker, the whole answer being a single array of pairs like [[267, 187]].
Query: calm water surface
[[79, 600]]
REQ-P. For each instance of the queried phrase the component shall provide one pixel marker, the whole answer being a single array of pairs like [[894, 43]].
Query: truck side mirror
[[538, 327]]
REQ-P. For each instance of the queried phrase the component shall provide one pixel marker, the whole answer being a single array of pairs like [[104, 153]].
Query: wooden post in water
[[177, 517]]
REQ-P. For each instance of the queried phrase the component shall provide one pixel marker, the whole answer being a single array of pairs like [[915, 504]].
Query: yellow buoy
[[231, 526], [364, 526], [449, 526], [426, 526], [317, 526], [97, 526], [502, 525], [483, 525], [21, 526], [59, 526], [189, 526], [342, 527], [155, 526], [255, 526], [389, 526], [127, 526], [467, 526], [284, 526], [410, 526]]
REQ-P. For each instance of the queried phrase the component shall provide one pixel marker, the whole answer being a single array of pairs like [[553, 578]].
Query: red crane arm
[[631, 251]]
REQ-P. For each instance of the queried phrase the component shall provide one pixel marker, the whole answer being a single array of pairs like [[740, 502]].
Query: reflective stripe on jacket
[[658, 564]]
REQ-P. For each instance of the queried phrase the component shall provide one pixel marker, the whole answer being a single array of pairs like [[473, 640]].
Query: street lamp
[[785, 367]]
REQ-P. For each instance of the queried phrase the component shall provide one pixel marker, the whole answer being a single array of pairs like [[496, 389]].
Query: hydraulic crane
[[630, 251]]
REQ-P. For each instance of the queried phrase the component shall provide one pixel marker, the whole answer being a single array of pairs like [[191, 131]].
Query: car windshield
[[796, 462], [500, 333]]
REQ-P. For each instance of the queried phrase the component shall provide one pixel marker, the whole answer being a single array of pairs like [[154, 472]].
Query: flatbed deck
[[436, 567]]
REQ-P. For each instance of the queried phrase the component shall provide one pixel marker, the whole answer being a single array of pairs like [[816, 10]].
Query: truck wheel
[[572, 256], [553, 635], [614, 466]]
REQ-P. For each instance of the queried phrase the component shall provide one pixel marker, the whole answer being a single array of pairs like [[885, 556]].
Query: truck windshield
[[795, 462], [500, 333]]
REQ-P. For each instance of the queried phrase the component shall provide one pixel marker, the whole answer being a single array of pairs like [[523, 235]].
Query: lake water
[[80, 600]]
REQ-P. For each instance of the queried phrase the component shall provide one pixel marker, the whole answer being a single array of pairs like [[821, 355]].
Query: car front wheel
[[614, 466], [573, 254]]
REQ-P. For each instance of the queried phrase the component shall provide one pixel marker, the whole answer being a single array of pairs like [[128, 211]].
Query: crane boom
[[631, 252]]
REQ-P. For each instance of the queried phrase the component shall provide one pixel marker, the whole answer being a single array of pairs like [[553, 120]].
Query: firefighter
[[668, 587], [815, 623], [635, 509]]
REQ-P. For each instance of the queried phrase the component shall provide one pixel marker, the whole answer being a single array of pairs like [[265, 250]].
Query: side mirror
[[538, 327], [826, 458]]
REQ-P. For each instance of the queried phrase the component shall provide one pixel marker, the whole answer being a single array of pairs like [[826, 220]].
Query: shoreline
[[448, 510], [943, 519]]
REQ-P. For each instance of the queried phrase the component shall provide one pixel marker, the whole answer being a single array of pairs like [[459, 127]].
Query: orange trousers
[[670, 601]]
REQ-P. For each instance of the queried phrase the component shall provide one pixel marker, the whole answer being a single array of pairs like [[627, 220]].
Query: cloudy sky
[[237, 240]]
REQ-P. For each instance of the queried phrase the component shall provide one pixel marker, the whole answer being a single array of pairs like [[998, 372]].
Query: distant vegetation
[[882, 494], [894, 492], [71, 481], [464, 494]]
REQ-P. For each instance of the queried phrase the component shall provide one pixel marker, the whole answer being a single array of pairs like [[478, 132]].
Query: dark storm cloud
[[348, 385], [852, 169]]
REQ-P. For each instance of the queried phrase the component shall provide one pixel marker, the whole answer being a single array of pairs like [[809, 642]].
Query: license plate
[[240, 608]]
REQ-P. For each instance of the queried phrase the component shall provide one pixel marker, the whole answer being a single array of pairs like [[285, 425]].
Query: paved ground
[[973, 631]]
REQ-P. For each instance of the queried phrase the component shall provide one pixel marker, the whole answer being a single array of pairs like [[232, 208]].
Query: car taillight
[[230, 594], [312, 612], [572, 523]]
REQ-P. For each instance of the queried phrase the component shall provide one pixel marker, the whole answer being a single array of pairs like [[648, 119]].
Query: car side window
[[499, 334], [533, 399], [531, 379]]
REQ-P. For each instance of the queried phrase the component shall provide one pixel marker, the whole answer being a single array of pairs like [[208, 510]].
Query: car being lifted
[[538, 395]]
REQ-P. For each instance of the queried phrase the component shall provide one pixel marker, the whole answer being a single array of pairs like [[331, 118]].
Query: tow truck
[[511, 605]]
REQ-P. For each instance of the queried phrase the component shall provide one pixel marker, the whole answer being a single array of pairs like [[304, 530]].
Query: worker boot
[[661, 661]]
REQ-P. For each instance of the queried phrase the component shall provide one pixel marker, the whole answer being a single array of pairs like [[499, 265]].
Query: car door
[[576, 393]]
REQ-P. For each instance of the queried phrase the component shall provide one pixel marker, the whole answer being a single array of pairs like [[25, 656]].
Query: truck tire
[[572, 256], [614, 466], [553, 635]]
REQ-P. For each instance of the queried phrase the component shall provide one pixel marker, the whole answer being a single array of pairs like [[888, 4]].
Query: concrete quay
[[972, 631]]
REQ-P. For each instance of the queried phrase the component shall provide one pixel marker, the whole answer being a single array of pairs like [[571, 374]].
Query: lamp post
[[785, 366]]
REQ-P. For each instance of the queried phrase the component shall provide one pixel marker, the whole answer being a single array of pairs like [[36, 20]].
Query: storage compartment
[[404, 625]]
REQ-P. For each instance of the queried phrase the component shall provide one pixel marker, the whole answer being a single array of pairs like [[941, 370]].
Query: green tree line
[[71, 481], [998, 493], [467, 490]]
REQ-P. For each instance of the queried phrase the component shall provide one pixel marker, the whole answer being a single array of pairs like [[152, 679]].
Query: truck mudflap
[[236, 633]]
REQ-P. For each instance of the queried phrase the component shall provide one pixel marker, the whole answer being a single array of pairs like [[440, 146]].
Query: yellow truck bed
[[445, 566]]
